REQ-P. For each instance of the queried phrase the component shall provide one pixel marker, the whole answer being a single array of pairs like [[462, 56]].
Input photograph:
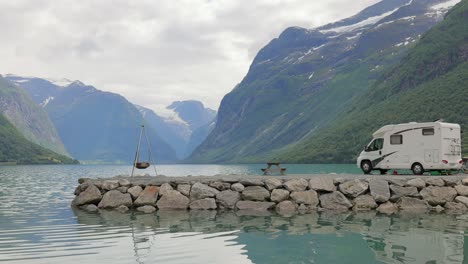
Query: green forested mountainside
[[30, 119], [430, 82], [305, 79], [16, 149]]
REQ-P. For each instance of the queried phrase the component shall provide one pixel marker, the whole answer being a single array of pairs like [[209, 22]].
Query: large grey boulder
[[124, 183], [173, 200], [464, 181], [147, 209], [91, 195], [387, 208], [354, 188], [251, 182], [305, 197], [286, 207], [122, 189], [122, 208], [462, 190], [462, 199], [273, 183], [399, 182], [80, 188], [135, 191], [255, 193], [364, 202], [164, 188], [90, 208], [200, 191], [335, 201], [148, 196], [279, 195], [204, 204], [438, 195], [322, 184], [417, 182], [398, 192], [220, 186], [237, 187], [296, 185], [114, 199], [435, 182], [452, 182], [184, 189], [411, 204], [228, 199], [110, 185], [254, 206], [379, 190], [453, 207], [339, 180]]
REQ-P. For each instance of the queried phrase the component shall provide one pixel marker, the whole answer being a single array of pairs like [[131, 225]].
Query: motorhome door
[[374, 152]]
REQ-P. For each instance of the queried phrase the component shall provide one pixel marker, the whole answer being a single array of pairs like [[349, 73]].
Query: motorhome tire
[[417, 169], [366, 167]]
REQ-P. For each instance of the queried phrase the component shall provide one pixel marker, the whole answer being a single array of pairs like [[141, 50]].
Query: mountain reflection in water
[[228, 237]]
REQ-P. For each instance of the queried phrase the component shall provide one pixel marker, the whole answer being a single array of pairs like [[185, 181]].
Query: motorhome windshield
[[375, 145]]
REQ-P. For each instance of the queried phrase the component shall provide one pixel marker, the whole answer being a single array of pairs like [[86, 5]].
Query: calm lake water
[[37, 225]]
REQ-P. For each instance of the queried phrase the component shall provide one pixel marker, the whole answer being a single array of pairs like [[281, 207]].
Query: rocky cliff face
[[30, 119], [305, 78]]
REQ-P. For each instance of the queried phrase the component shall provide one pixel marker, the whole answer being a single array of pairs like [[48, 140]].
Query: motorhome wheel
[[366, 167], [417, 169]]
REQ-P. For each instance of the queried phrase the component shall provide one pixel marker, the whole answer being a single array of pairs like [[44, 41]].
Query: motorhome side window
[[377, 144], [428, 131], [396, 139]]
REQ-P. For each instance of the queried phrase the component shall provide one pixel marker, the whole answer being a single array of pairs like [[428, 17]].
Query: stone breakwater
[[284, 194]]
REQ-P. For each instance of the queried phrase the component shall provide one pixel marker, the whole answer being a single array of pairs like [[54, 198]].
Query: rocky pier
[[283, 194]]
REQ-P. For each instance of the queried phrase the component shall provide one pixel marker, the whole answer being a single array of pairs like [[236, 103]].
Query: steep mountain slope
[[16, 149], [304, 79], [184, 126], [41, 90], [30, 119], [429, 83], [101, 126]]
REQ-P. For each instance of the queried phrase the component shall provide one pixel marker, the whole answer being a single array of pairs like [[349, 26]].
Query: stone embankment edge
[[284, 194]]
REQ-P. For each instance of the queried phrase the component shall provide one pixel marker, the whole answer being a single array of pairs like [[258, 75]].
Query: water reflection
[[312, 238]]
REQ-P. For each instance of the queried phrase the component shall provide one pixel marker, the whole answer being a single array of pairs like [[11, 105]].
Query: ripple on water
[[37, 225]]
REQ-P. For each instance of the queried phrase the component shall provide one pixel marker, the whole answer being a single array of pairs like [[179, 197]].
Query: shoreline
[[288, 194]]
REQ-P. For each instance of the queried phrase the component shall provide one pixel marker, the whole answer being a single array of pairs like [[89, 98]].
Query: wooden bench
[[269, 169]]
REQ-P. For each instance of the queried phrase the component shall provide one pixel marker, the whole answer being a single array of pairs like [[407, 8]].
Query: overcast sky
[[156, 51]]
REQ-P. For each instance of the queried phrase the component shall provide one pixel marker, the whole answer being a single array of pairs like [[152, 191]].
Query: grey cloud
[[152, 52]]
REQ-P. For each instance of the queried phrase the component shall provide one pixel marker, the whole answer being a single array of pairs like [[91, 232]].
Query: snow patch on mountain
[[361, 24], [60, 82], [170, 116], [445, 5], [364, 23], [46, 101]]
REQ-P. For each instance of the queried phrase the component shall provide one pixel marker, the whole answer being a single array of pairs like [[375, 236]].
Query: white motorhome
[[434, 146]]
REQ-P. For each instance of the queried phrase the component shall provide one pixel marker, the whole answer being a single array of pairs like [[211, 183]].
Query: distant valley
[[101, 127]]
